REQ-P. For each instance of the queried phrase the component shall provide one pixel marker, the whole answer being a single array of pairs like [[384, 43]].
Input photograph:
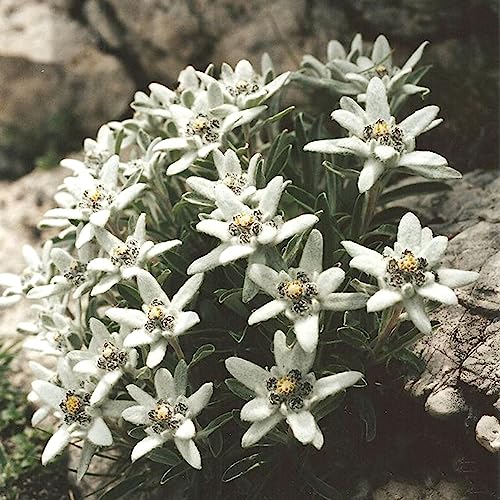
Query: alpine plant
[[193, 233]]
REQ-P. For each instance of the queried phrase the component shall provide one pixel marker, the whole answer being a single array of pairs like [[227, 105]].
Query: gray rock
[[462, 356], [488, 433]]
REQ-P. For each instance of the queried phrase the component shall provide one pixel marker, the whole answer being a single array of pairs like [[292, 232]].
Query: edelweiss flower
[[70, 402], [383, 145], [304, 292], [125, 257], [106, 359], [161, 320], [352, 70], [93, 200], [230, 173], [202, 126], [147, 160], [411, 272], [97, 152], [243, 86], [50, 333], [246, 231], [287, 391], [74, 275], [169, 415], [35, 274]]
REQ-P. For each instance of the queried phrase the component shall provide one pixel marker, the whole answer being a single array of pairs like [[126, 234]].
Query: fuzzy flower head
[[244, 230], [168, 415], [125, 258], [73, 274], [69, 400], [161, 320], [230, 174], [244, 87], [50, 332], [36, 273], [351, 70], [92, 200], [410, 273], [288, 391], [105, 360], [201, 126], [382, 144], [302, 293]]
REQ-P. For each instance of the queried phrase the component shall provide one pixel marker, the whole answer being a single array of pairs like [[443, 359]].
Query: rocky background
[[67, 66]]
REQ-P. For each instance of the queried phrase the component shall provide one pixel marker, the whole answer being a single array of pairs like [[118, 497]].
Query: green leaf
[[242, 467], [345, 173], [322, 488], [305, 199], [201, 353], [123, 488], [239, 335], [417, 188], [363, 404], [164, 456], [238, 389], [175, 471], [137, 432], [130, 294], [215, 424]]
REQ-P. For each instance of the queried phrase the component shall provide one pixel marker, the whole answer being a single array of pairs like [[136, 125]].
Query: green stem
[[387, 327], [369, 206], [177, 348]]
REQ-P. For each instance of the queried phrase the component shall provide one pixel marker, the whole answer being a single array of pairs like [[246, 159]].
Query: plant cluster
[[202, 238]]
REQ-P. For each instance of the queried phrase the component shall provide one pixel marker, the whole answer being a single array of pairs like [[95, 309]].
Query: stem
[[388, 327], [177, 348], [369, 206]]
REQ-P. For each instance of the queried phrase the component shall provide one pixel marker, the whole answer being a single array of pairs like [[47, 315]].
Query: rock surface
[[22, 204], [462, 356], [67, 66]]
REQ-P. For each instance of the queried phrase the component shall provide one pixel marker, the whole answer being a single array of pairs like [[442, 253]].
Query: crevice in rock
[[125, 52]]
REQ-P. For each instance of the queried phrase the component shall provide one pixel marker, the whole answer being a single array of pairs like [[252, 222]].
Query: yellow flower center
[[108, 351], [73, 404], [155, 312], [120, 250], [294, 289], [199, 124], [381, 128], [244, 220], [163, 412], [96, 195], [286, 386], [408, 263], [381, 70]]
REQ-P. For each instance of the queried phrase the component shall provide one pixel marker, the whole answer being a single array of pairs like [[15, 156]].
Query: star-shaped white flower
[[36, 273], [350, 71], [168, 416], [73, 274], [125, 257], [230, 174], [162, 320], [246, 232], [243, 86], [106, 359], [410, 273], [287, 391], [201, 127], [302, 293], [380, 143], [79, 420], [50, 333], [92, 200]]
